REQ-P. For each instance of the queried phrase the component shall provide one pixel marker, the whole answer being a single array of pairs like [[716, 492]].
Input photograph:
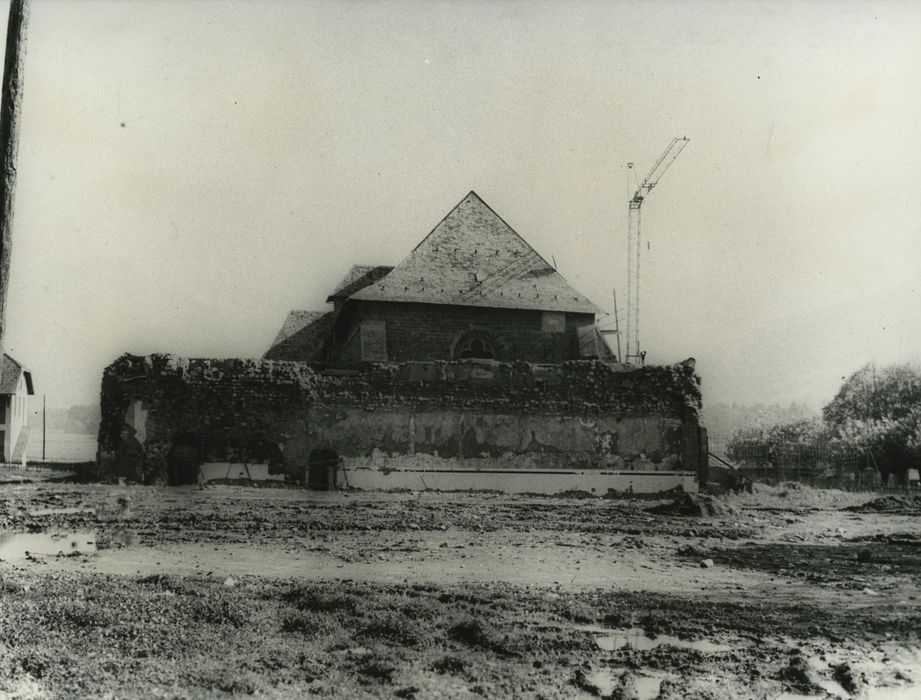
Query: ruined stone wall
[[230, 410], [461, 439], [474, 413]]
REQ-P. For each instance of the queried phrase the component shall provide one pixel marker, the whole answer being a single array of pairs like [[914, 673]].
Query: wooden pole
[[10, 104]]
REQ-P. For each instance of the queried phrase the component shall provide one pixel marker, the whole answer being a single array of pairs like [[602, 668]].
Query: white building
[[15, 390]]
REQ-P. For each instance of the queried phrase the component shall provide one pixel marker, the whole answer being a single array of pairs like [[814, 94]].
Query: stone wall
[[159, 412], [496, 440]]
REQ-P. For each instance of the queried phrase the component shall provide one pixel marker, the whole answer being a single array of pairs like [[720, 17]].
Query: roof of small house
[[474, 258], [10, 373], [302, 336], [359, 277]]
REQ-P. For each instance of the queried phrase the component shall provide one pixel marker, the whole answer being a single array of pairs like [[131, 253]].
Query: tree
[[878, 410]]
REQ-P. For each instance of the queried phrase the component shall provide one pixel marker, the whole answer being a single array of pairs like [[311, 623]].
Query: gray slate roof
[[10, 372], [359, 277], [473, 258], [302, 336]]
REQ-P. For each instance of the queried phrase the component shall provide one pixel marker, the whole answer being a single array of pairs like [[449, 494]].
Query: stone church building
[[471, 364], [473, 288]]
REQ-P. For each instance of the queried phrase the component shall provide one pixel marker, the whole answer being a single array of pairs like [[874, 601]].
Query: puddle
[[19, 545], [831, 688], [127, 538], [605, 681], [636, 638], [911, 692], [637, 686], [646, 687], [63, 511], [897, 683], [895, 673]]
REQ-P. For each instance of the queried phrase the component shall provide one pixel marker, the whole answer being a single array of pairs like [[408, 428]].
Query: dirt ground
[[130, 591]]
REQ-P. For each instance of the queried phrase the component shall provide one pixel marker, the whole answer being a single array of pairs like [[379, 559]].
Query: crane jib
[[668, 157]]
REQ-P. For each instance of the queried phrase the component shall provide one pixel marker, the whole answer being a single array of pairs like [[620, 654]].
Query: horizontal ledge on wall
[[536, 472]]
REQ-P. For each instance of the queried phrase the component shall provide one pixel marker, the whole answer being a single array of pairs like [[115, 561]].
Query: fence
[[816, 465]]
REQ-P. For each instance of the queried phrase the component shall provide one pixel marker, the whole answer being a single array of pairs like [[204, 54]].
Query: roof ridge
[[507, 271], [355, 275], [443, 219], [13, 360]]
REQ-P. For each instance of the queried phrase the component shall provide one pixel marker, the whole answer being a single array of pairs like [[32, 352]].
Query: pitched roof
[[592, 344], [473, 258], [10, 372], [302, 336], [359, 277]]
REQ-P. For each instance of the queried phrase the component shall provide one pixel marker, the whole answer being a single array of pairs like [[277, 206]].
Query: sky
[[191, 171]]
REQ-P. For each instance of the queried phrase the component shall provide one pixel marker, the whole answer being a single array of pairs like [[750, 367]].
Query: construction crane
[[633, 245]]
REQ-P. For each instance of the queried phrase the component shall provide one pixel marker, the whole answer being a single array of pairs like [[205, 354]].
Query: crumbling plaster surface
[[512, 440], [572, 415], [517, 481]]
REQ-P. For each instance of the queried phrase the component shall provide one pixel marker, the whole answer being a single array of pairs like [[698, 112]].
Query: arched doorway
[[184, 459], [321, 464]]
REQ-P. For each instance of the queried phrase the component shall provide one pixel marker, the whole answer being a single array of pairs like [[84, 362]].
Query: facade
[[472, 364], [473, 288], [15, 390]]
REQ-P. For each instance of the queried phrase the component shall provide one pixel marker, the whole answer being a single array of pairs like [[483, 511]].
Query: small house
[[15, 390]]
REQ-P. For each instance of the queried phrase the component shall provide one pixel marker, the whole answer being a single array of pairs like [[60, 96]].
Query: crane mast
[[633, 244]]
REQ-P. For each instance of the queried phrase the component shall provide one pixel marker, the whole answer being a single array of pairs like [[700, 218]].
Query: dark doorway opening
[[320, 464], [184, 459]]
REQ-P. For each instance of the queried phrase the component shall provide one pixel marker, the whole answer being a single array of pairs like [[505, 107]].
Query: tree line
[[876, 413]]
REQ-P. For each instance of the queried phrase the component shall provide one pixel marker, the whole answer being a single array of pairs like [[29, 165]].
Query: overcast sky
[[190, 172]]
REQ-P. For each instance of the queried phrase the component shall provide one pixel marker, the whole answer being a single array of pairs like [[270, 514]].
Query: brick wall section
[[259, 410], [418, 332]]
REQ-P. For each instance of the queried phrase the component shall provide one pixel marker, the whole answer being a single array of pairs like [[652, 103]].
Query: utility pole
[[10, 107]]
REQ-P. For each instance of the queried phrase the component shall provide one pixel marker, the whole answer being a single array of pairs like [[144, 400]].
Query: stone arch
[[476, 344]]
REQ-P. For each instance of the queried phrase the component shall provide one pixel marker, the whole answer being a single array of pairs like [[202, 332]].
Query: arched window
[[475, 346]]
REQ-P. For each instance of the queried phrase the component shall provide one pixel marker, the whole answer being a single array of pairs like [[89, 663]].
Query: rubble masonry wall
[[426, 415]]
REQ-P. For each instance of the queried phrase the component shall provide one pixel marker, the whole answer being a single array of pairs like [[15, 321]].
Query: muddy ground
[[129, 591]]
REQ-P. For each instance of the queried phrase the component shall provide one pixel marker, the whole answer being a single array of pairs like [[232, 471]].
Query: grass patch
[[394, 627], [309, 624], [152, 636], [308, 598]]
